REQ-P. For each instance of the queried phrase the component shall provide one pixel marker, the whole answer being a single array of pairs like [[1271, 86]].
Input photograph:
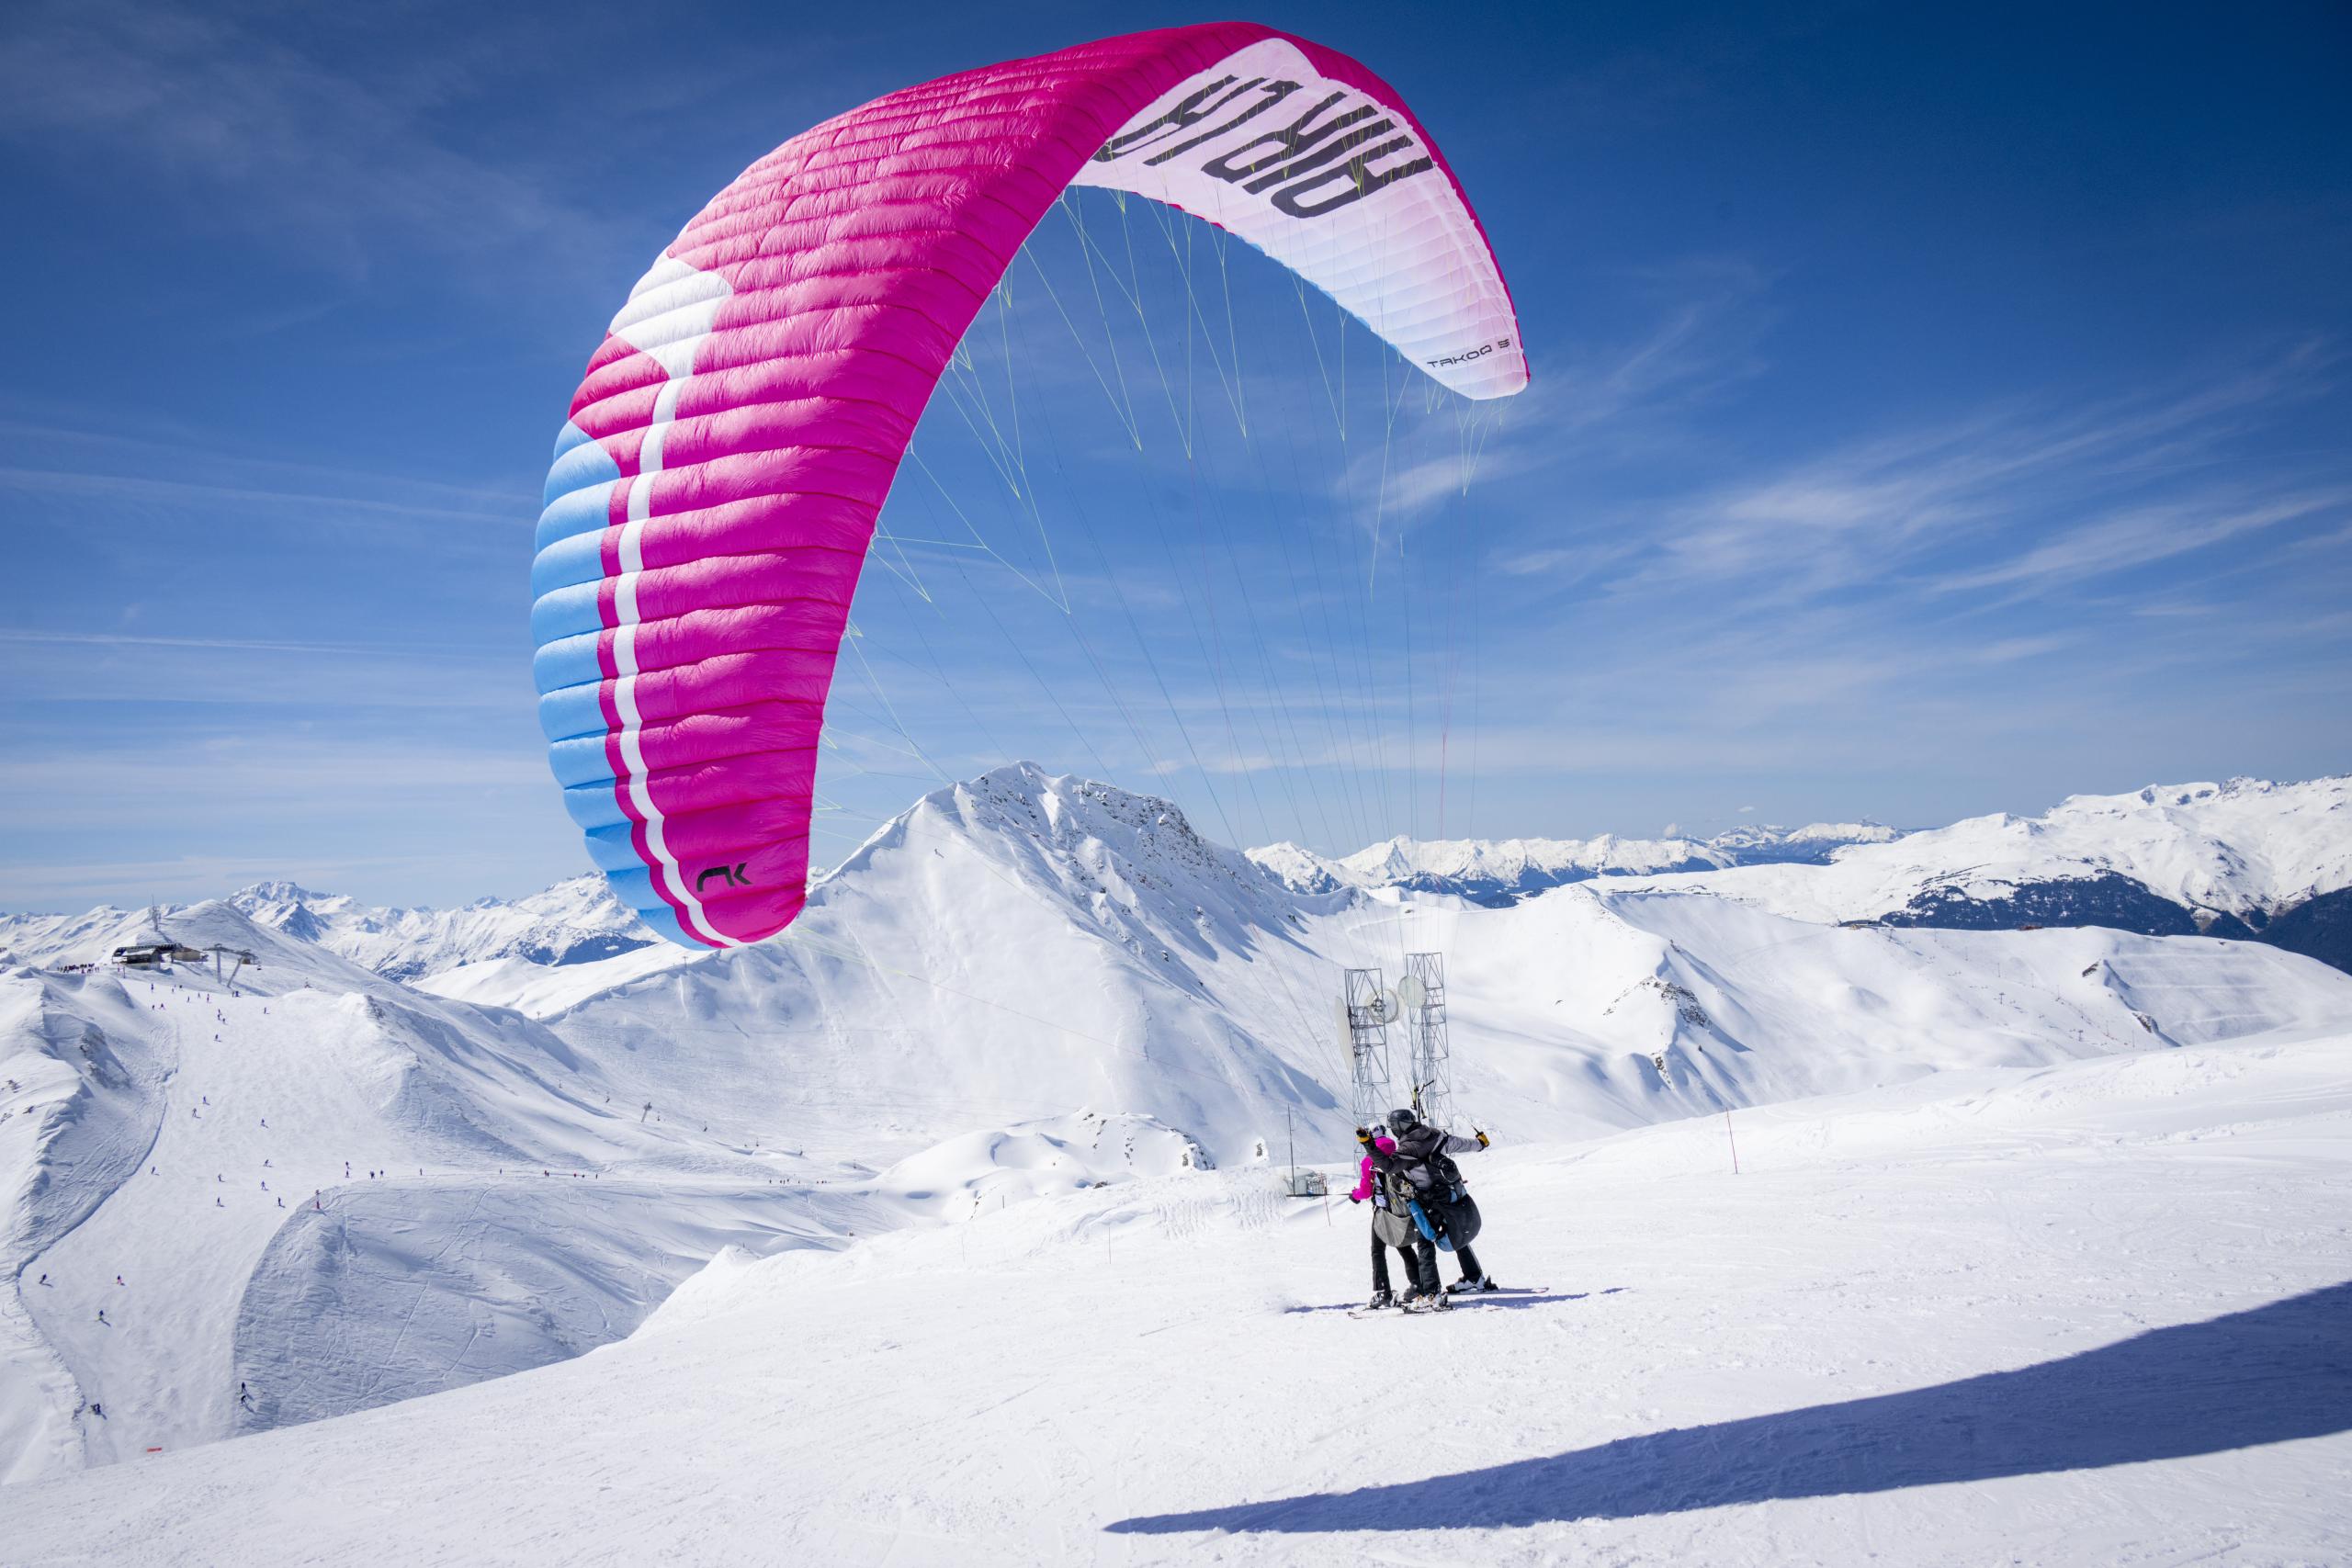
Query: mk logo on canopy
[[1300, 160]]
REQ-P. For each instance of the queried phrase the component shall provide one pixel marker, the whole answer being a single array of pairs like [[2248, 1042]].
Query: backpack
[[1459, 1226], [1431, 1175]]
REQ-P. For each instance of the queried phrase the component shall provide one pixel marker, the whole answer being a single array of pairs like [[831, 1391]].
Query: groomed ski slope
[[2097, 1312], [179, 1149]]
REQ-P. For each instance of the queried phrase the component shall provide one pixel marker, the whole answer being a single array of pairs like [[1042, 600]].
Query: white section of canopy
[[1407, 259]]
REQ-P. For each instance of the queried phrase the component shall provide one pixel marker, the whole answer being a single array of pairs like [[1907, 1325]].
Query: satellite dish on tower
[[1413, 993]]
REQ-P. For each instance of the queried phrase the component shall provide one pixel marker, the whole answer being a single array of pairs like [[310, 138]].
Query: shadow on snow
[[2270, 1375]]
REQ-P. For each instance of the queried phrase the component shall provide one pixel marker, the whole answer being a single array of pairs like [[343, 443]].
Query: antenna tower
[[1422, 993], [1365, 1012]]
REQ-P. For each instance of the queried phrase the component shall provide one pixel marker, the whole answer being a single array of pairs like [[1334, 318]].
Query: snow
[[2089, 1313], [1666, 1004], [979, 1171], [2245, 847], [2248, 847], [155, 1122], [1528, 865], [576, 921]]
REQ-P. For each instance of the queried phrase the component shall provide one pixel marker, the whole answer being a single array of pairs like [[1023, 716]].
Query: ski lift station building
[[149, 955]]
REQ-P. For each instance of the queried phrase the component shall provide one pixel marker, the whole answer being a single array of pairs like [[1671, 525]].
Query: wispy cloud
[[1877, 510], [2147, 534], [324, 158]]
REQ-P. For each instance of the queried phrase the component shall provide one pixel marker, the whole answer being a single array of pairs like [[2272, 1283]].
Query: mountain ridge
[[2240, 859]]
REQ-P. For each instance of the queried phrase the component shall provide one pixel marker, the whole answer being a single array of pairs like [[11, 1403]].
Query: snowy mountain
[[1813, 844], [575, 921], [322, 1185], [1023, 988], [578, 920], [1016, 947], [2247, 859], [2250, 859], [1494, 872]]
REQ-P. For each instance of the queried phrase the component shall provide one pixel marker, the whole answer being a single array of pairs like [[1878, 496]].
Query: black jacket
[[1423, 1159]]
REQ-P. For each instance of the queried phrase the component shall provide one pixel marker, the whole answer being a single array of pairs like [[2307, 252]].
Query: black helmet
[[1402, 1121]]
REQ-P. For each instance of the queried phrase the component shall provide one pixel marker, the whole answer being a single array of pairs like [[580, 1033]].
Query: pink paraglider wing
[[714, 491]]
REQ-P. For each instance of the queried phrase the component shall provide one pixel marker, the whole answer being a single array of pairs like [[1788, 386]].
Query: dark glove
[[1363, 1137], [1483, 1140], [1353, 1199]]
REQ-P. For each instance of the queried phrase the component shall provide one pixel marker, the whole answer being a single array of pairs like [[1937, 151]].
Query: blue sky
[[1935, 412]]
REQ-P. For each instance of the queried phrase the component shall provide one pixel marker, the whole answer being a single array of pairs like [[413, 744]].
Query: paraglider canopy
[[714, 491]]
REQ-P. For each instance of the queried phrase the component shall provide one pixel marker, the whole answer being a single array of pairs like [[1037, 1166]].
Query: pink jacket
[[1368, 1180]]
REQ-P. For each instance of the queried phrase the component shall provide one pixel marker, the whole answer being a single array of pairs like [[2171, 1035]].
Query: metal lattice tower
[[1421, 996], [1365, 1012]]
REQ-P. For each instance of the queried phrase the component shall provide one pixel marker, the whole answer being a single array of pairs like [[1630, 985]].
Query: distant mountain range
[[577, 920], [2248, 860], [1495, 873]]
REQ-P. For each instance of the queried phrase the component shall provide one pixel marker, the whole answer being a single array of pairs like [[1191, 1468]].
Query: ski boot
[[1483, 1285], [1380, 1299], [1426, 1301]]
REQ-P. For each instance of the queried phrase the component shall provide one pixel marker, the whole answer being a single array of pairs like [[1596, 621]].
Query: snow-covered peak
[[2245, 846], [2229, 854], [297, 910], [1110, 849], [576, 921], [279, 890], [1475, 865], [1492, 869], [1300, 869], [1814, 841]]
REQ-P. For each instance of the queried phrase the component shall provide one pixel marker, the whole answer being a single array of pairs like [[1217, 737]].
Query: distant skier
[[1426, 1181], [1389, 1227], [102, 1318]]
